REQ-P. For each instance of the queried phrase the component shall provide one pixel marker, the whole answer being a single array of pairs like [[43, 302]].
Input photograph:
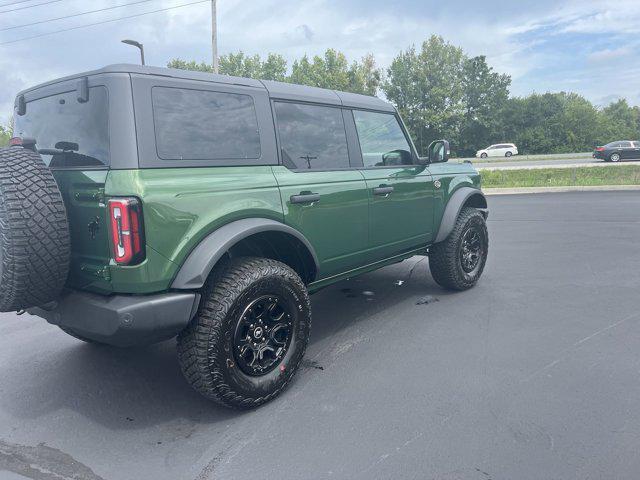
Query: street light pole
[[138, 45], [214, 35]]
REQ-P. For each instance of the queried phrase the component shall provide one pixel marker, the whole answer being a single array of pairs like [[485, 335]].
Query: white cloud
[[530, 42]]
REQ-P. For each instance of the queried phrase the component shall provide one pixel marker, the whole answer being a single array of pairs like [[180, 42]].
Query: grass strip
[[561, 177]]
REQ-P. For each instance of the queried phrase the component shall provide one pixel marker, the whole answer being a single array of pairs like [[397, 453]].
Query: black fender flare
[[199, 263], [455, 204]]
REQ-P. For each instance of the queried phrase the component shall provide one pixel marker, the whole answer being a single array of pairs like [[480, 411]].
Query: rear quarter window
[[204, 125]]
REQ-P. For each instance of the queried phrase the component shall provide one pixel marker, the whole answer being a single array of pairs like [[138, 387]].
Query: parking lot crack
[[569, 351]]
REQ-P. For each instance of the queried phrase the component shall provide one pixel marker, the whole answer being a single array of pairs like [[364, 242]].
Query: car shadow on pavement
[[142, 387]]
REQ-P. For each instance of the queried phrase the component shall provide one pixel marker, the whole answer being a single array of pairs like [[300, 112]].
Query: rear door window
[[312, 137], [382, 140], [204, 125], [68, 133]]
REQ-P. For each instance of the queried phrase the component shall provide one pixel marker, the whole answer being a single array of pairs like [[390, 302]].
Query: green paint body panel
[[452, 176], [351, 229], [336, 226], [402, 220]]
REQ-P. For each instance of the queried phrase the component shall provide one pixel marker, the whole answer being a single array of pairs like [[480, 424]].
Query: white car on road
[[498, 150]]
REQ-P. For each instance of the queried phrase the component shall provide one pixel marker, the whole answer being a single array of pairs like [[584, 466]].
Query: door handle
[[383, 190], [305, 198]]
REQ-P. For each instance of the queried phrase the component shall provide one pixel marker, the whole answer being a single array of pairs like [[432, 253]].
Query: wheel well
[[279, 246], [478, 201]]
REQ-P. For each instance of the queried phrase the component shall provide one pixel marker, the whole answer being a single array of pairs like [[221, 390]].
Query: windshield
[[68, 133]]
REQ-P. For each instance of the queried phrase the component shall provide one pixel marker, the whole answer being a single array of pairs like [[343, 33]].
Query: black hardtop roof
[[279, 90]]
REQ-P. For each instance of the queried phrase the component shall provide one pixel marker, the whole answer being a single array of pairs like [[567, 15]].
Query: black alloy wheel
[[263, 335], [472, 249]]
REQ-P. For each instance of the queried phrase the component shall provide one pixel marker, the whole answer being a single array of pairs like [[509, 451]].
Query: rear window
[[204, 125], [68, 133]]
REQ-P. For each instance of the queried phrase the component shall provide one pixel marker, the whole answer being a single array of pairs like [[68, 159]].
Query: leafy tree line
[[443, 93]]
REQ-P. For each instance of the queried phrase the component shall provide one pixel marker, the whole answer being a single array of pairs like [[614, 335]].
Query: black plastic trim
[[122, 320], [202, 259]]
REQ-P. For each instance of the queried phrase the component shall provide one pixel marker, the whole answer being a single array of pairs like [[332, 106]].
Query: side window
[[204, 125], [311, 136], [382, 141], [625, 144], [636, 144]]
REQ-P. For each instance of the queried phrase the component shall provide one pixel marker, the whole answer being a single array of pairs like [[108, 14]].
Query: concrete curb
[[525, 190]]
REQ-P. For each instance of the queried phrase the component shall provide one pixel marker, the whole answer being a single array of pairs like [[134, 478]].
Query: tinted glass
[[613, 144], [381, 139], [68, 133], [311, 136], [636, 144], [204, 125], [625, 144]]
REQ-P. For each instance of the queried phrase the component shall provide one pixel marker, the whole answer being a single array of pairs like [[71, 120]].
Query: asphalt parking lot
[[533, 374]]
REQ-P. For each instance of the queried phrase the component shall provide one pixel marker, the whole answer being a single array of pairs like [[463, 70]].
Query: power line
[[101, 23], [14, 3], [74, 15], [28, 6]]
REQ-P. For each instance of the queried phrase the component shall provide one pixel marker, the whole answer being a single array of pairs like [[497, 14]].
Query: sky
[[588, 47]]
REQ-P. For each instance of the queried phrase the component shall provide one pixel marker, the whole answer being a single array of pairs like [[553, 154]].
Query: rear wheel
[[614, 157], [508, 154], [457, 262], [249, 335]]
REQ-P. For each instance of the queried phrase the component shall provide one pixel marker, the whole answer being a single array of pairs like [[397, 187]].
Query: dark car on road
[[616, 151]]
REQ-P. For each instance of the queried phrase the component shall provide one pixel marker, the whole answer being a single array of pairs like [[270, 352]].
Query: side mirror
[[439, 151]]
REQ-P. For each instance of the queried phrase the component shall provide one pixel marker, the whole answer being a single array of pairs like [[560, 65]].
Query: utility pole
[[214, 35]]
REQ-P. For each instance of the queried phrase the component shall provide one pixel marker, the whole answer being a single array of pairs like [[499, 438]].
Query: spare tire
[[34, 233]]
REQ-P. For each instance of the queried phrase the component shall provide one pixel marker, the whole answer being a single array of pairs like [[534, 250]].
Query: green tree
[[241, 65], [333, 71], [426, 86], [184, 65], [329, 71], [6, 132], [484, 94], [619, 122]]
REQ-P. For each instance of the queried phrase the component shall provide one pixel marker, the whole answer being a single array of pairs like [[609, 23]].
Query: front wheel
[[483, 155], [249, 335], [457, 262], [508, 154]]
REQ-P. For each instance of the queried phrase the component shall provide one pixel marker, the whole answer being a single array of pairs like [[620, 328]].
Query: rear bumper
[[122, 320]]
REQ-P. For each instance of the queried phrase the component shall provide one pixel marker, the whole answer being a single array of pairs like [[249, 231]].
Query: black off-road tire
[[205, 347], [34, 233], [445, 257]]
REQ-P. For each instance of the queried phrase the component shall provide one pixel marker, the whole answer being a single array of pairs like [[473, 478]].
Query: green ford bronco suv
[[139, 204]]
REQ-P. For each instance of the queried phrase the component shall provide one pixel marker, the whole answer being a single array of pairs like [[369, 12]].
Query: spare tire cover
[[34, 232]]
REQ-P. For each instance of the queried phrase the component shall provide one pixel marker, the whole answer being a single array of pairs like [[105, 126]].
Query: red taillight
[[599, 149], [15, 142], [126, 230]]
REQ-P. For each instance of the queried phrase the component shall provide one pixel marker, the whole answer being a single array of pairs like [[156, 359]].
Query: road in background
[[532, 374]]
